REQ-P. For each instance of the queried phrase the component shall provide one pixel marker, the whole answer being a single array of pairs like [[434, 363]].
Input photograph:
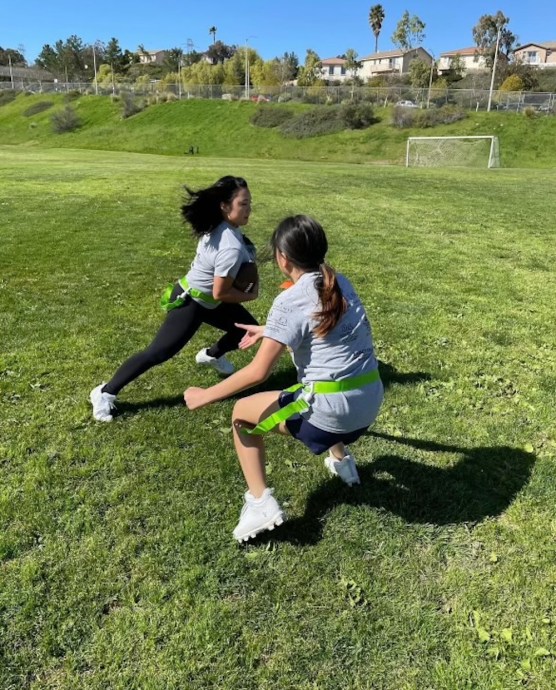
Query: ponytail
[[332, 301], [304, 242]]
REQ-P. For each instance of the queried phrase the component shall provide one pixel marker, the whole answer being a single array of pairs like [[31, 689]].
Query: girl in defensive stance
[[323, 323], [205, 295]]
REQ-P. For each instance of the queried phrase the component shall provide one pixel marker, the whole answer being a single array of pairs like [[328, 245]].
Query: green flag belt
[[304, 401], [168, 305]]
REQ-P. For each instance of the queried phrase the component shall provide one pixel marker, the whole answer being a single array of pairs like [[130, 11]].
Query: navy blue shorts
[[317, 440]]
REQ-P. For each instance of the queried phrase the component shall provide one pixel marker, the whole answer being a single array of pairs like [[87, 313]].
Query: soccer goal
[[467, 152]]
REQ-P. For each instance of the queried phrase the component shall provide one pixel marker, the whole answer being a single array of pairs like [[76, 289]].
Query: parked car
[[407, 104]]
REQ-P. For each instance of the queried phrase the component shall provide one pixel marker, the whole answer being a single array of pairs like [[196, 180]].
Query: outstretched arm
[[257, 371]]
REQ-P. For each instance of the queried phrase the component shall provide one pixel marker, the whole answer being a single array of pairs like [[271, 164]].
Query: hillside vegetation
[[224, 129]]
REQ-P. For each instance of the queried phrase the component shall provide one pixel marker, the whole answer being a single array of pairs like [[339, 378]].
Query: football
[[247, 277]]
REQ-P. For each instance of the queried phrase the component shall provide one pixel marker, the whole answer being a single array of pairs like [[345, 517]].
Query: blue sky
[[271, 28]]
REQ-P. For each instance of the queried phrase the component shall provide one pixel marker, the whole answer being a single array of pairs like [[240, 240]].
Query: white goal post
[[468, 152]]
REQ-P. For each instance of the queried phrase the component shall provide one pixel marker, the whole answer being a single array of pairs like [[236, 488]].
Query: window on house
[[342, 70], [532, 56], [330, 69]]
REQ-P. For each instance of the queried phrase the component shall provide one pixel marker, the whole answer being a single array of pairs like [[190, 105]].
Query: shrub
[[72, 95], [357, 115], [130, 106], [314, 122], [270, 116], [6, 97], [404, 118], [512, 83], [36, 108], [65, 120], [530, 113]]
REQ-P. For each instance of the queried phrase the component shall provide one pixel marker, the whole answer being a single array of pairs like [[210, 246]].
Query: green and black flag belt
[[304, 401], [168, 305]]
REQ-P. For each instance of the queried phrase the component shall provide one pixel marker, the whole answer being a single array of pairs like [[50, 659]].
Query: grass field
[[117, 567], [223, 130]]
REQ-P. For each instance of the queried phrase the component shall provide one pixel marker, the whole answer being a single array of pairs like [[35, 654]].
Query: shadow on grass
[[481, 485], [277, 381]]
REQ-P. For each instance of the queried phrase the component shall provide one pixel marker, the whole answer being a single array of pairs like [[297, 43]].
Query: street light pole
[[494, 69]]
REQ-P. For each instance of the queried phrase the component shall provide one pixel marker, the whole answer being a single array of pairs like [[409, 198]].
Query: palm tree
[[376, 17], [212, 31]]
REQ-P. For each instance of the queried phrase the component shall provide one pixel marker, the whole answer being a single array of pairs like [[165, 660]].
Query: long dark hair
[[202, 209], [302, 240]]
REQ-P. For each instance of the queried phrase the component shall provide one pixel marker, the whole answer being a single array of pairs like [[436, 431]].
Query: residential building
[[152, 57], [392, 62], [334, 69], [470, 58], [538, 54]]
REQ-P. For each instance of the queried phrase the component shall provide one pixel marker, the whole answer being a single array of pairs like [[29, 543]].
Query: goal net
[[467, 152]]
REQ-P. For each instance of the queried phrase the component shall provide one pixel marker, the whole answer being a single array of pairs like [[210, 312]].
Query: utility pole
[[430, 81], [95, 69], [494, 69], [11, 70]]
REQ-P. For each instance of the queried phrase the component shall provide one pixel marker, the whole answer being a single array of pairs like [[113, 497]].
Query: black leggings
[[179, 327]]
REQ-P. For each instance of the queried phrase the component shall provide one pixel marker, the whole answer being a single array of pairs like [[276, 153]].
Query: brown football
[[247, 277]]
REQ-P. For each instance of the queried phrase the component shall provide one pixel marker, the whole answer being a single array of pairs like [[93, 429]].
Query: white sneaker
[[258, 515], [103, 404], [221, 364], [345, 468]]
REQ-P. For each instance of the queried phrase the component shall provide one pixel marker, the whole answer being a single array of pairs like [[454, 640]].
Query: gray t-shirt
[[345, 352], [220, 253]]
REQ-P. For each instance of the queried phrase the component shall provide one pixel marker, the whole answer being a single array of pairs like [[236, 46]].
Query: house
[[152, 57], [538, 54], [334, 69], [470, 59], [392, 62]]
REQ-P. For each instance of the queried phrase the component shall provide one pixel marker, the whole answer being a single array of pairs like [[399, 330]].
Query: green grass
[[117, 567], [223, 129]]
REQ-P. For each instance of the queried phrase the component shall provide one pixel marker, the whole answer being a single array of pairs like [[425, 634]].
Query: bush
[[270, 116], [329, 119], [65, 120], [512, 83], [7, 96], [130, 106], [404, 118], [72, 95], [37, 108], [357, 115], [314, 122]]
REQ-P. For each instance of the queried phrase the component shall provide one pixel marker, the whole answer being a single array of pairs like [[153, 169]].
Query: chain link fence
[[469, 99]]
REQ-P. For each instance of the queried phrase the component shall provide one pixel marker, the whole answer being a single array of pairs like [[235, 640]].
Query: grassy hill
[[224, 129]]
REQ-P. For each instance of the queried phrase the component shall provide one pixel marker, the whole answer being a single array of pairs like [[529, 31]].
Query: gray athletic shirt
[[345, 352], [220, 253]]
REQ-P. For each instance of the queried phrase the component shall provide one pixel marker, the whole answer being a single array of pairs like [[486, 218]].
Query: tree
[[173, 59], [114, 57], [66, 60], [309, 74], [485, 34], [212, 31], [457, 68], [352, 63], [289, 65], [410, 32], [376, 18], [220, 52], [420, 73], [16, 57]]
